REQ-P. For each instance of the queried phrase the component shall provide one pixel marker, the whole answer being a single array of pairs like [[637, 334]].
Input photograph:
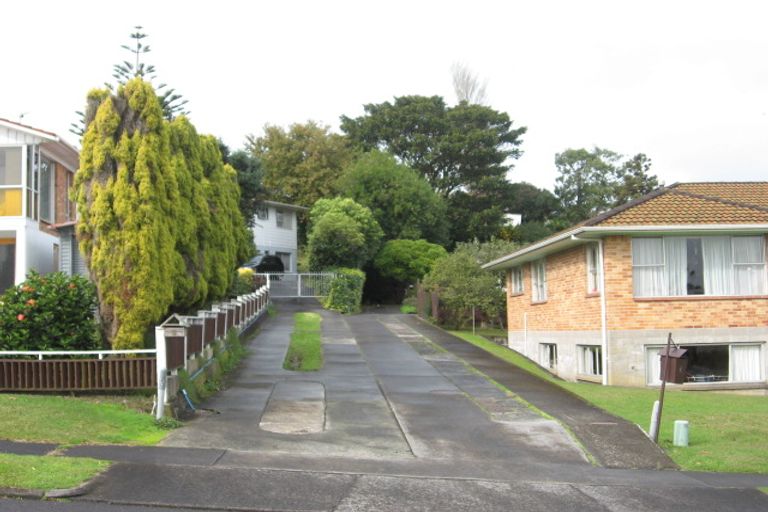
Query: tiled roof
[[694, 203]]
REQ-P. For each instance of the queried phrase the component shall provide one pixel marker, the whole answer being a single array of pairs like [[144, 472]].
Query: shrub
[[51, 312], [342, 234], [346, 293], [244, 282], [407, 260]]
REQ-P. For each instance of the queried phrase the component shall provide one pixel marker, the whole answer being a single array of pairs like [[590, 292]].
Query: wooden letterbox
[[678, 364]]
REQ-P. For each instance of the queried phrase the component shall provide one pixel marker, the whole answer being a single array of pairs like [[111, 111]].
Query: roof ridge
[[721, 200]]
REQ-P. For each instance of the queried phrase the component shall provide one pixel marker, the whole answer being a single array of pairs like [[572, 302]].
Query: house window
[[593, 281], [33, 181], [539, 280], [590, 359], [283, 219], [711, 265], [46, 189], [7, 263], [70, 205], [262, 212], [517, 280], [548, 355], [735, 362], [10, 182]]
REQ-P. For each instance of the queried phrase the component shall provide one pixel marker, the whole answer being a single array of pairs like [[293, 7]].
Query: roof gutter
[[596, 232]]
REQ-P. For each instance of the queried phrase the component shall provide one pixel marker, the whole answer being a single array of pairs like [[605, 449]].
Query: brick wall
[[568, 306], [627, 313]]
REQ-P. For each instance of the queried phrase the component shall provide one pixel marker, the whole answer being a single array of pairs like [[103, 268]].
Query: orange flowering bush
[[50, 312]]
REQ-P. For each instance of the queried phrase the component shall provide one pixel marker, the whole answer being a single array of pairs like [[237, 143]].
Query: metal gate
[[308, 284]]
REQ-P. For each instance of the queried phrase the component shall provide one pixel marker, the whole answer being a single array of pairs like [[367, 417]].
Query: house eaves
[[582, 234], [287, 206]]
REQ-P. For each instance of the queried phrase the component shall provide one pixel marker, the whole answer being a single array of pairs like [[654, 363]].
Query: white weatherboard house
[[36, 171], [275, 232]]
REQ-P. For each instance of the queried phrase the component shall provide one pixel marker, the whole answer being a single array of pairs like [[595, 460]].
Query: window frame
[[665, 273], [593, 268], [539, 292], [548, 354], [596, 355], [283, 219], [262, 212], [517, 286]]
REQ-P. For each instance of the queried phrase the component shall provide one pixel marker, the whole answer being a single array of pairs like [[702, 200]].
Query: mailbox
[[678, 364]]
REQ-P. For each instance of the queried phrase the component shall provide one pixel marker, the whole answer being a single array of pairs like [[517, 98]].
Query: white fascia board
[[30, 131], [584, 233]]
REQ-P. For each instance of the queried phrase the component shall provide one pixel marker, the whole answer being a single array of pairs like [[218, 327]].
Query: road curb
[[36, 494]]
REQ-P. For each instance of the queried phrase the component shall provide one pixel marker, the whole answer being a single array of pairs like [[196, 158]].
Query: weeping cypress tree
[[159, 223]]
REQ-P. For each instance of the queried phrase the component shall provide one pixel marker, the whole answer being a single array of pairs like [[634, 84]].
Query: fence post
[[299, 290], [162, 372]]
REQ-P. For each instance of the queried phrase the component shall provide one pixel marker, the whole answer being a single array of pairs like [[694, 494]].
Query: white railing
[[100, 354], [296, 285]]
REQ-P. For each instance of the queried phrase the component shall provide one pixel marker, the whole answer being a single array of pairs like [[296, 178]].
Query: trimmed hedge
[[346, 291]]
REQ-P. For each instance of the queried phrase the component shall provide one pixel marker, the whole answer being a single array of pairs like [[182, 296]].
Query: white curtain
[[676, 253], [749, 265], [718, 265], [648, 267], [653, 365], [745, 363]]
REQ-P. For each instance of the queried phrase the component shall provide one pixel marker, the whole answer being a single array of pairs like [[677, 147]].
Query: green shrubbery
[[346, 293], [50, 312]]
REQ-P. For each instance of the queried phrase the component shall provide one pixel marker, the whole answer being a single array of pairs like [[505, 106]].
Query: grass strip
[[305, 352], [70, 420], [47, 472], [725, 429]]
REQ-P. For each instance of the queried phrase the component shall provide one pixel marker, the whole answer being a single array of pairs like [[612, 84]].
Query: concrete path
[[396, 420]]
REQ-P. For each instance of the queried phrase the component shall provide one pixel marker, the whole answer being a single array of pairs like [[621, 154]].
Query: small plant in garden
[[50, 312], [244, 282]]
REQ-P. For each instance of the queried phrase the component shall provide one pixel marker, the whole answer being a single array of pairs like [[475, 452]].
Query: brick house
[[36, 171], [597, 301]]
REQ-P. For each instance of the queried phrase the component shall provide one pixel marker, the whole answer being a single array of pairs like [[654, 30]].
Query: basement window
[[548, 355], [736, 362], [590, 359]]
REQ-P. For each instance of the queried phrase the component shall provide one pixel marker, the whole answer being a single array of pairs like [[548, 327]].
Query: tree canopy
[[342, 233], [452, 147], [402, 202], [407, 260], [302, 164], [159, 225], [590, 182], [249, 177]]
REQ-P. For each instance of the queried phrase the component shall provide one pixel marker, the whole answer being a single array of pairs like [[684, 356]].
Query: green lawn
[[727, 432], [305, 353], [69, 420], [45, 473]]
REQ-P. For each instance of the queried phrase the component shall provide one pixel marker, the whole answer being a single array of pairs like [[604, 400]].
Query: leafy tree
[[249, 176], [301, 165], [591, 182], [453, 147], [407, 261], [462, 283], [634, 180], [533, 203], [159, 220], [464, 152], [361, 218], [336, 240], [401, 201]]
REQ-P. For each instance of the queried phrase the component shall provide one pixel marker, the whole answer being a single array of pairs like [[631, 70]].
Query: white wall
[[267, 234]]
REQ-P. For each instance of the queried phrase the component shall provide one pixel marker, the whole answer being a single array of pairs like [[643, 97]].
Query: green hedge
[[346, 293]]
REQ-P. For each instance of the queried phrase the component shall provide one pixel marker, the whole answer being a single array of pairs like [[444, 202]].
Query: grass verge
[[408, 309], [725, 429], [46, 473], [70, 420], [305, 353]]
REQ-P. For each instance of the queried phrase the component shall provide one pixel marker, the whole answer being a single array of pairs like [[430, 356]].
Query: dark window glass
[[7, 265], [695, 267]]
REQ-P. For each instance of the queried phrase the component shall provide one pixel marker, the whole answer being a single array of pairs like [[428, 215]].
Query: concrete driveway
[[385, 392]]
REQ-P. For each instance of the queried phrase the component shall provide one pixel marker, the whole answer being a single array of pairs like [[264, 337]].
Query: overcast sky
[[684, 82]]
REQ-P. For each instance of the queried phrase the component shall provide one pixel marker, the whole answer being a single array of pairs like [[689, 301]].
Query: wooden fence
[[179, 342]]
